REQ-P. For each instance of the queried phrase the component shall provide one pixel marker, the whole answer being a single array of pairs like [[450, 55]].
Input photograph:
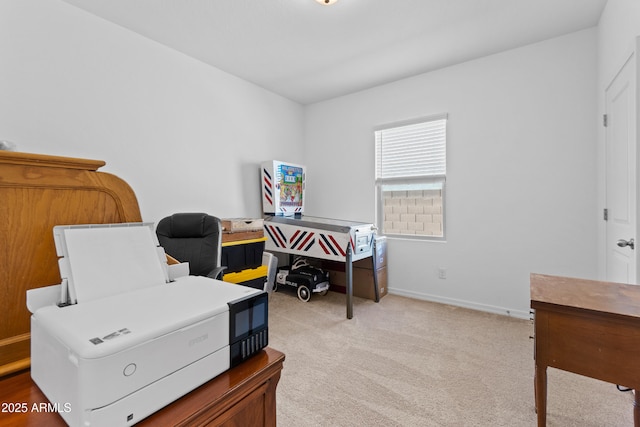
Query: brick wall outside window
[[413, 212]]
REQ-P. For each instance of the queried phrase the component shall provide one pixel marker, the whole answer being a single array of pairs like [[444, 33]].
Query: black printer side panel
[[248, 327]]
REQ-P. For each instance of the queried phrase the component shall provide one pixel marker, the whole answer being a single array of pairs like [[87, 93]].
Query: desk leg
[[540, 390], [349, 273], [636, 409], [374, 264]]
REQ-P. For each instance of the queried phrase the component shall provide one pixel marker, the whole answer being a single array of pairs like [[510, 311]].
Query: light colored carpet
[[405, 362]]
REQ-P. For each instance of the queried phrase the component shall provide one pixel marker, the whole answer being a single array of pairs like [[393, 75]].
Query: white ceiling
[[309, 52]]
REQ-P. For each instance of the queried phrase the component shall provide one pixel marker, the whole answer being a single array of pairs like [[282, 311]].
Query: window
[[410, 178]]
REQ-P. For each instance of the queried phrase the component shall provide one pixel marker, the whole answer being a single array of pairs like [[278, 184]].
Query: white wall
[[187, 136], [521, 171], [184, 135], [617, 30]]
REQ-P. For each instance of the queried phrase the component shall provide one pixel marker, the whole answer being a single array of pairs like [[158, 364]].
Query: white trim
[[518, 314], [413, 121]]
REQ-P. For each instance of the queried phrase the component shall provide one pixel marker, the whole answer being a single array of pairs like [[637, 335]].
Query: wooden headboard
[[36, 193]]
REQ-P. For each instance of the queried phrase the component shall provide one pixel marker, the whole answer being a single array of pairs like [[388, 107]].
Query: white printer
[[116, 340]]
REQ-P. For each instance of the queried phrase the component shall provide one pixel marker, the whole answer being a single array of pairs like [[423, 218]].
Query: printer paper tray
[[133, 408]]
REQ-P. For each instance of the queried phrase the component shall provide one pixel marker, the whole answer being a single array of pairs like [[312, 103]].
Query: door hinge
[[606, 214], [605, 120]]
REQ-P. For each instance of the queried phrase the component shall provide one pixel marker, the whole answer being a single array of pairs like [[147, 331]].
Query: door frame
[[632, 55]]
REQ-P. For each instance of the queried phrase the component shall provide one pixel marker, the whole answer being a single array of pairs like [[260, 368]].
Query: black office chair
[[195, 238]]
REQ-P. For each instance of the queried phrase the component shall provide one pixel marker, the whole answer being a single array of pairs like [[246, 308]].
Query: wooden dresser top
[[608, 297]]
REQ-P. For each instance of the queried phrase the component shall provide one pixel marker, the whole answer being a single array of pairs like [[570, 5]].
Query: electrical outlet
[[442, 273]]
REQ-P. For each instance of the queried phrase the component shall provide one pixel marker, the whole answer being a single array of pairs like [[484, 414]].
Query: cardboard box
[[235, 225], [362, 280], [363, 285], [381, 255], [238, 229]]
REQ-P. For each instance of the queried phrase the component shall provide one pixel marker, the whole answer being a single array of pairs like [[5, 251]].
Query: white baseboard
[[520, 314]]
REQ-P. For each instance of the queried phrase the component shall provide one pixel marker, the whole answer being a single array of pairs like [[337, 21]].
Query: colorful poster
[[291, 185]]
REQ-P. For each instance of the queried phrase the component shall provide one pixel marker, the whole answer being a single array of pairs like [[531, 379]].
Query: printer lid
[[102, 260]]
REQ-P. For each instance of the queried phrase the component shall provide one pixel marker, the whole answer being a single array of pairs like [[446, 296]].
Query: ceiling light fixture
[[326, 2]]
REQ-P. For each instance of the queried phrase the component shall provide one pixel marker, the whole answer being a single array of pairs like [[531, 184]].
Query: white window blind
[[413, 150], [411, 168]]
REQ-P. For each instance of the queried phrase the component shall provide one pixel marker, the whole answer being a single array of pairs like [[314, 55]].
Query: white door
[[620, 133]]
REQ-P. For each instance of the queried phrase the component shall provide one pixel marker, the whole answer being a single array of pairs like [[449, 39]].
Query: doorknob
[[623, 243]]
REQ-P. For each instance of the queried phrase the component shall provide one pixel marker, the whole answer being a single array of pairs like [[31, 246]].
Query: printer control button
[[129, 369]]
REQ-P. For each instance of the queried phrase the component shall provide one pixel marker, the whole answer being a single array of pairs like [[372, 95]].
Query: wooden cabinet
[[242, 396]]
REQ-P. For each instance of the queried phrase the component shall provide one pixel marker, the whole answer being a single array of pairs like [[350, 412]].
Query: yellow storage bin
[[252, 277], [242, 254]]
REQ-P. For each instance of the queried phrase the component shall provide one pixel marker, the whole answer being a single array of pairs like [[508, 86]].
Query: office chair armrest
[[217, 273]]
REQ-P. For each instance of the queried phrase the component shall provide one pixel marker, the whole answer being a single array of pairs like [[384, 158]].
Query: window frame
[[438, 179]]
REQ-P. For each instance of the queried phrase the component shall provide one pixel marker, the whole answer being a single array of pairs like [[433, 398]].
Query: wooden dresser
[[38, 192], [587, 327], [242, 396]]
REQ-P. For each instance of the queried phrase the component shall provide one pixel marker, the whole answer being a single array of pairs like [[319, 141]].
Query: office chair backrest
[[192, 237]]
